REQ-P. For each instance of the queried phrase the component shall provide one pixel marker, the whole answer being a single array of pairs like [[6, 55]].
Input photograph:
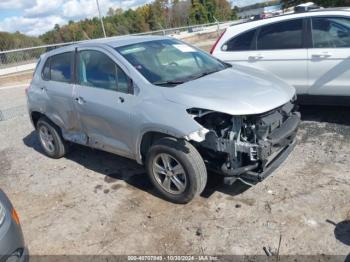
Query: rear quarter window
[[45, 73], [36, 67], [242, 42], [61, 67]]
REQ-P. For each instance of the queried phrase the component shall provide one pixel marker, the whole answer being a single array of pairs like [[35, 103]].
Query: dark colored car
[[12, 247]]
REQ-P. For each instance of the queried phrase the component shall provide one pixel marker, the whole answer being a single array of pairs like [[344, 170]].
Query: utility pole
[[99, 13]]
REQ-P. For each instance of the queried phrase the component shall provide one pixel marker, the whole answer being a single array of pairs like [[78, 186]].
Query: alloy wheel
[[169, 173], [47, 139]]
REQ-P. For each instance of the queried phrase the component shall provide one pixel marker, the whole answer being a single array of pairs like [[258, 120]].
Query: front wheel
[[176, 169]]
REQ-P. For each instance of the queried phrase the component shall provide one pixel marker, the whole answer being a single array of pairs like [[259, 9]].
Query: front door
[[103, 100]]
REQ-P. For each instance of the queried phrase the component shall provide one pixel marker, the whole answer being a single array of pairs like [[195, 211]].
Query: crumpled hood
[[239, 90]]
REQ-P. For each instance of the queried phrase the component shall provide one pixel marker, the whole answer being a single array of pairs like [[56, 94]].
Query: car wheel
[[176, 169], [50, 139]]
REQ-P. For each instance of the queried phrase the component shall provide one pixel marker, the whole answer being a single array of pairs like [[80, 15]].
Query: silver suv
[[169, 106]]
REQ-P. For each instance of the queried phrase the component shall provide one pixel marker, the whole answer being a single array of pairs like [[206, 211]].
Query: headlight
[[2, 214]]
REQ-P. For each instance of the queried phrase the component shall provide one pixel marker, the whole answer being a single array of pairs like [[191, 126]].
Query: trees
[[199, 13], [179, 13], [223, 11], [156, 15], [204, 11]]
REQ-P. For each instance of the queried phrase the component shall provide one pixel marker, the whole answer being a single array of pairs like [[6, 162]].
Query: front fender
[[165, 117]]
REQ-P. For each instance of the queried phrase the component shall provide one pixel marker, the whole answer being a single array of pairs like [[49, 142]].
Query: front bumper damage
[[271, 152], [251, 148], [275, 149]]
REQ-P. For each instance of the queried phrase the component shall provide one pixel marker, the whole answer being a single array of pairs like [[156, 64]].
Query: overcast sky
[[34, 17]]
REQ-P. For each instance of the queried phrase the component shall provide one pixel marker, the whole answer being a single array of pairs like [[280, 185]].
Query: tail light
[[217, 41]]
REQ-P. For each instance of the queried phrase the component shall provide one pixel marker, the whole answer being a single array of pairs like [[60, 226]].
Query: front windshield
[[169, 62]]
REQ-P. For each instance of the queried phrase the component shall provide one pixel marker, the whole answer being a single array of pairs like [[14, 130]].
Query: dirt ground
[[92, 202], [16, 78]]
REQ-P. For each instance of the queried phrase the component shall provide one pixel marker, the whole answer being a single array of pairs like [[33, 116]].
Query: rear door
[[281, 50], [329, 57], [103, 99], [57, 86]]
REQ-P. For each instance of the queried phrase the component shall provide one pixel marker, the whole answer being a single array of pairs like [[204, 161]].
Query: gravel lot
[[93, 202]]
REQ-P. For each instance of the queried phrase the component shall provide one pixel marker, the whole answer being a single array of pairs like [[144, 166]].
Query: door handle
[[80, 100], [321, 55], [255, 57], [43, 88], [121, 99]]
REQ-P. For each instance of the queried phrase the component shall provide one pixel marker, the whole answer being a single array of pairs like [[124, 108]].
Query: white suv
[[310, 51]]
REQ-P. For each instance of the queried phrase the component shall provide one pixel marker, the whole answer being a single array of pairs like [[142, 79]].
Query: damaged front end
[[247, 147]]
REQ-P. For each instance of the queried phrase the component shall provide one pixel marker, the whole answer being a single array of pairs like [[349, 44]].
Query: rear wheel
[[176, 169], [50, 139]]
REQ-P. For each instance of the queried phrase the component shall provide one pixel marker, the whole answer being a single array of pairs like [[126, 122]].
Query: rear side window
[[37, 65], [330, 32], [61, 67], [242, 42], [97, 70], [282, 35], [46, 70]]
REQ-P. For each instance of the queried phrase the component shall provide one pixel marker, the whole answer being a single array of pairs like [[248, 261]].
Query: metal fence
[[23, 59]]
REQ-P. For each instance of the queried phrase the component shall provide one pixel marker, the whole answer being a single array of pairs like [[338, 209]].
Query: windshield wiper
[[168, 82], [178, 82]]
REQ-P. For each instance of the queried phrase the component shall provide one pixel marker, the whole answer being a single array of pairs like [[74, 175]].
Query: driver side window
[[96, 69]]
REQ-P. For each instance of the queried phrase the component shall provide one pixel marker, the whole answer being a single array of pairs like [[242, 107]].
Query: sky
[[34, 17]]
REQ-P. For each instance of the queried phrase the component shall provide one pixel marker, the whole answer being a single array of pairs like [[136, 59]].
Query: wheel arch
[[36, 115], [147, 139]]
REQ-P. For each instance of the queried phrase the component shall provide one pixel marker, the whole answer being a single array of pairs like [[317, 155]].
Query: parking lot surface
[[91, 202]]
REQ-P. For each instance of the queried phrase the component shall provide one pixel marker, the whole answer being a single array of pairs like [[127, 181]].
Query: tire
[[58, 147], [185, 183]]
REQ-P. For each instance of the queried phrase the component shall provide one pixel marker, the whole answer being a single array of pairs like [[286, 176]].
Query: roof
[[345, 8], [282, 17], [118, 41], [114, 42]]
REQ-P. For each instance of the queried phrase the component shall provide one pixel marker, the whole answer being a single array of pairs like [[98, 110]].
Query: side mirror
[[133, 89], [130, 86]]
